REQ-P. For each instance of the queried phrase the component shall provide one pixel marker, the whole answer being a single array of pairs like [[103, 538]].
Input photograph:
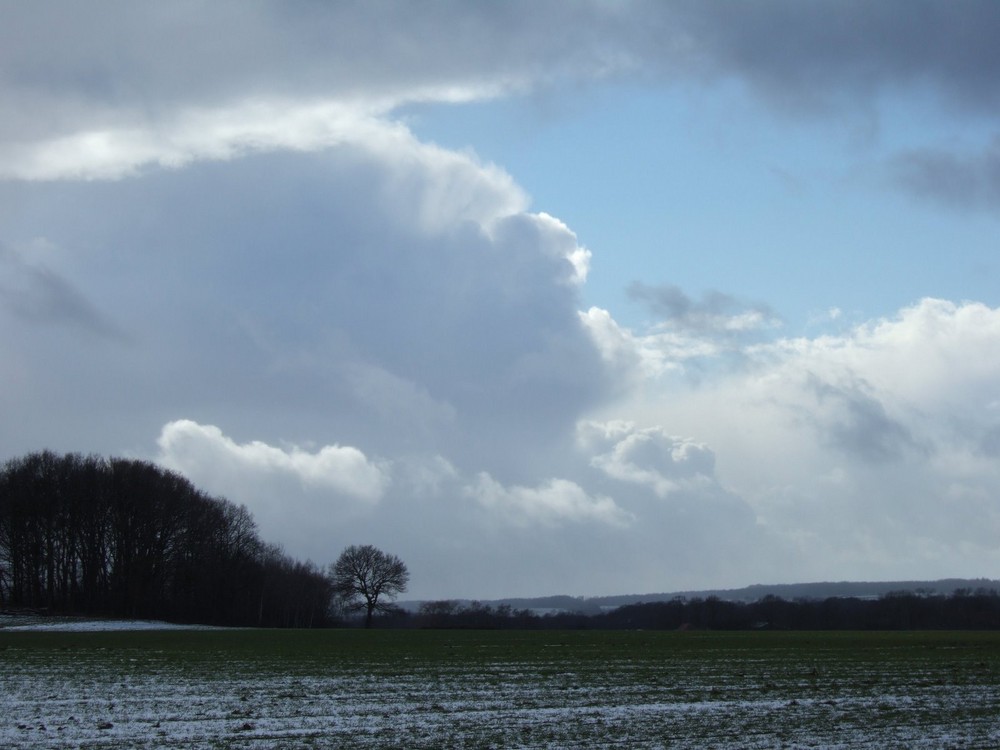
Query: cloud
[[861, 450], [920, 359], [400, 286], [685, 517], [716, 313], [855, 421], [211, 459], [89, 98], [398, 330], [927, 360], [33, 292], [647, 456], [554, 502], [967, 181], [779, 43], [219, 134], [810, 56], [696, 340]]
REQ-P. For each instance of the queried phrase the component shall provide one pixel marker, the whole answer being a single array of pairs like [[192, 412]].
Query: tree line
[[126, 538], [962, 610]]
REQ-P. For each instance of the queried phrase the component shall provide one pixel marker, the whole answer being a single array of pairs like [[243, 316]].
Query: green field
[[433, 689]]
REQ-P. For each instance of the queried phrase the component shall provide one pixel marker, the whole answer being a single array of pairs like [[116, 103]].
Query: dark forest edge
[[123, 538]]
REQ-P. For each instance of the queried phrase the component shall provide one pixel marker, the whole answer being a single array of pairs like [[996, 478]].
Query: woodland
[[123, 538], [85, 535]]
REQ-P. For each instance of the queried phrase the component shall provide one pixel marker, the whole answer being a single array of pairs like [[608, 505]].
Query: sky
[[595, 297]]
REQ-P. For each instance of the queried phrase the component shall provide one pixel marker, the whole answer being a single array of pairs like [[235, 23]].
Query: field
[[435, 689]]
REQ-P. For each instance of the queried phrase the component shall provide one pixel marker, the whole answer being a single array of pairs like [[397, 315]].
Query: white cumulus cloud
[[213, 459], [873, 449], [647, 456], [554, 502]]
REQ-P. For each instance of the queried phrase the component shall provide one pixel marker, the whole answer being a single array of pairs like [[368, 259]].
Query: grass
[[354, 688]]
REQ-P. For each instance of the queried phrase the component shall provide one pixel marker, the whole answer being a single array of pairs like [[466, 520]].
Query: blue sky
[[709, 190], [583, 298]]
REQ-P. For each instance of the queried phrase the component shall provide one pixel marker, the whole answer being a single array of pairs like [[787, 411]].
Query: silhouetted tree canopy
[[126, 538], [364, 577]]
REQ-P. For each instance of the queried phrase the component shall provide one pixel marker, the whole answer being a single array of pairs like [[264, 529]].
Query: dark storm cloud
[[802, 55], [66, 66], [817, 58]]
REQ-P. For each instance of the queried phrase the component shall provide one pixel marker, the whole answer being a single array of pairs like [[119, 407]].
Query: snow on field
[[105, 697], [81, 626], [28, 622]]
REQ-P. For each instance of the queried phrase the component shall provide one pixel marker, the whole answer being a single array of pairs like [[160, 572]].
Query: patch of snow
[[81, 626]]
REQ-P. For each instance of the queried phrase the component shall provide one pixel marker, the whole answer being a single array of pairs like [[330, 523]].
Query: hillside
[[788, 591]]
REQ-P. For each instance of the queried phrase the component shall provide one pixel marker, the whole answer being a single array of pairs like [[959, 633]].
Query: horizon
[[536, 296], [710, 590]]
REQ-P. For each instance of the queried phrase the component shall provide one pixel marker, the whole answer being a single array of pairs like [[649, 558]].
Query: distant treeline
[[962, 610], [125, 538]]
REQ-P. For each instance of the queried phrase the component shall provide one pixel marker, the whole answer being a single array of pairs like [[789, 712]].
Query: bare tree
[[364, 576]]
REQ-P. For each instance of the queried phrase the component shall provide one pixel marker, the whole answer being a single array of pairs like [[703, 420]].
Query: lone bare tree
[[365, 576]]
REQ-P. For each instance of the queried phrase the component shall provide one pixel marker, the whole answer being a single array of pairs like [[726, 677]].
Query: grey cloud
[[67, 67], [270, 285], [647, 457], [35, 293], [807, 55], [716, 313], [857, 424], [959, 181], [989, 442]]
